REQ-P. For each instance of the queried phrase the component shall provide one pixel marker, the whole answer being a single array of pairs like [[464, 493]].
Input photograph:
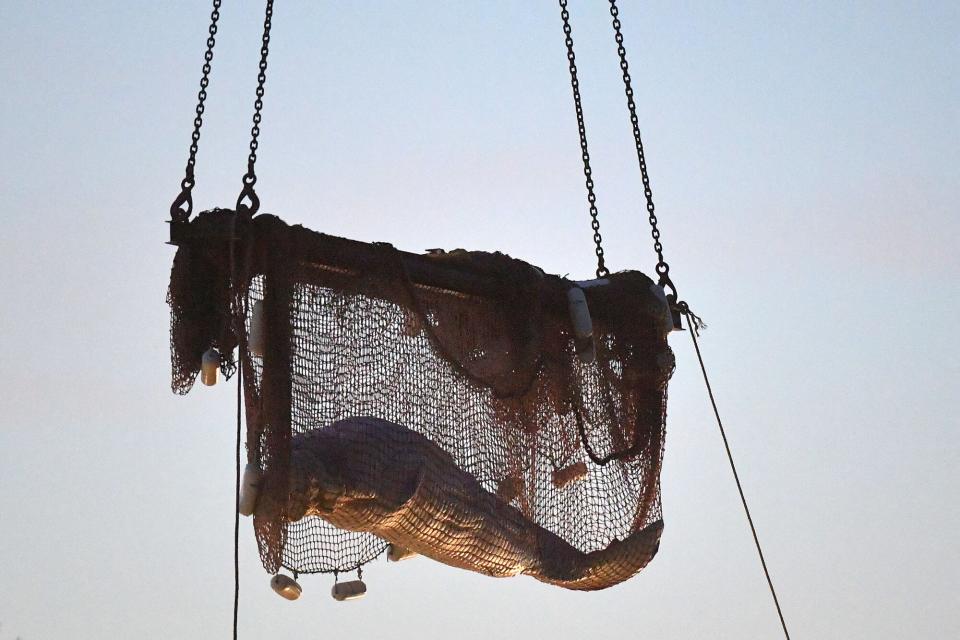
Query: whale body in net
[[370, 475]]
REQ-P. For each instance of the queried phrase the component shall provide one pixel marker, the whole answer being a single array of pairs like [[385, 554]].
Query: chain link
[[663, 269], [248, 193], [602, 270], [182, 206]]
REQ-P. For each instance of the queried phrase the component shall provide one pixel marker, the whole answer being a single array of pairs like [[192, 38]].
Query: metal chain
[[182, 205], [602, 270], [663, 269], [252, 203]]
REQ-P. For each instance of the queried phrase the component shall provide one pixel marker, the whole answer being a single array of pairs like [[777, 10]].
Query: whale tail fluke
[[564, 566]]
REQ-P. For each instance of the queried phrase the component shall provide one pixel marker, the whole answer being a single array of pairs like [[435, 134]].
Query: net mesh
[[470, 353]]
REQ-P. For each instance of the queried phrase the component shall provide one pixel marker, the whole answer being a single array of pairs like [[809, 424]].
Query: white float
[[589, 284], [257, 343], [250, 489], [353, 590], [285, 586], [582, 324], [210, 367]]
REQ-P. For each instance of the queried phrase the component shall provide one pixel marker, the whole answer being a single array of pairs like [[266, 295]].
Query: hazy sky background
[[805, 164]]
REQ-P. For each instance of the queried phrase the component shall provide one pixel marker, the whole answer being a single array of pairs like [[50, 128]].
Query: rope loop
[[695, 322]]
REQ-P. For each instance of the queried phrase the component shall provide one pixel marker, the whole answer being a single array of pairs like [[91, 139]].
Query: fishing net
[[470, 363]]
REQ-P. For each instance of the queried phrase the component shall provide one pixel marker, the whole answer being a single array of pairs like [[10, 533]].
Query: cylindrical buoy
[[353, 590], [210, 367], [257, 342], [579, 313], [589, 284], [250, 489], [582, 325], [586, 350], [396, 553], [285, 586]]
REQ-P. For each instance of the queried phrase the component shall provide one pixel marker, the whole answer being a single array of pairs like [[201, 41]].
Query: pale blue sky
[[805, 164]]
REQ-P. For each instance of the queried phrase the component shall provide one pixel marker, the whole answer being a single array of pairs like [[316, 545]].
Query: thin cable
[[736, 477], [236, 514], [234, 283]]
